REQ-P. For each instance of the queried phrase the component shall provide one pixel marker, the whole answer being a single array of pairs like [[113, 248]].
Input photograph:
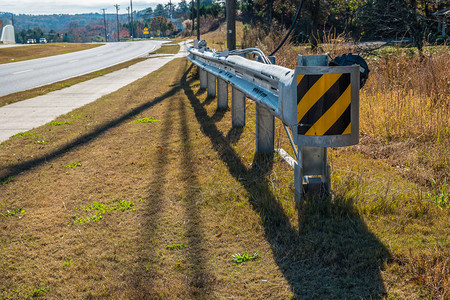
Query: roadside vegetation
[[189, 210], [13, 54], [149, 193]]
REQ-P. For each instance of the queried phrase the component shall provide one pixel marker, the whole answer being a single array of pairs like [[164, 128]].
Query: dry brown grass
[[405, 112], [195, 181], [12, 54]]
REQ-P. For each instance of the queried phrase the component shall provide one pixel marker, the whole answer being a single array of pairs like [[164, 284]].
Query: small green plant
[[30, 135], [67, 262], [64, 85], [15, 212], [240, 258], [101, 209], [39, 291], [6, 180], [439, 197], [74, 165], [59, 123], [40, 142], [145, 120], [93, 218], [176, 246]]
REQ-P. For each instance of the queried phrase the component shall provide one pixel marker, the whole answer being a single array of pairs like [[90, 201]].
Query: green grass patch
[[59, 123], [15, 212], [41, 290], [176, 246], [74, 165], [145, 120], [7, 180], [100, 209], [27, 134], [240, 258], [439, 196]]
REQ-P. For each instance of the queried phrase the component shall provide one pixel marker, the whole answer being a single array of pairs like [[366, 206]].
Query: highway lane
[[24, 75]]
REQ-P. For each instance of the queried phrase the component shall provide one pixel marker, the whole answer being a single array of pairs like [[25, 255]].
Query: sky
[[72, 6]]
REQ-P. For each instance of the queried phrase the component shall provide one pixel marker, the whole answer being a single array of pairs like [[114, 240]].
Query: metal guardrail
[[319, 103]]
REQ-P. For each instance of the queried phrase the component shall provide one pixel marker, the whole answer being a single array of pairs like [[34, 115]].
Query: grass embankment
[[19, 96], [148, 193], [167, 49], [19, 53]]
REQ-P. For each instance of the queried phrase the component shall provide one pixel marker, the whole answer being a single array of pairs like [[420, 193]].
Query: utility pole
[[193, 16], [104, 23], [231, 24], [117, 14], [131, 5], [198, 20], [129, 23], [12, 19], [170, 10]]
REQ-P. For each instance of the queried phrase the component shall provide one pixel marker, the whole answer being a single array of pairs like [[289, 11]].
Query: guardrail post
[[237, 108], [222, 94], [265, 130], [211, 85], [312, 161], [203, 78]]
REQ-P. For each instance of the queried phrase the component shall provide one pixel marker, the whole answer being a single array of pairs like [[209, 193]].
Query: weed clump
[[145, 120], [101, 209]]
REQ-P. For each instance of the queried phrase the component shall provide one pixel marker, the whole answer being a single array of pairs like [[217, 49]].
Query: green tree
[[160, 11]]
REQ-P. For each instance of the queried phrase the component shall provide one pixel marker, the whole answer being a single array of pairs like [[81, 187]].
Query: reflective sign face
[[323, 104]]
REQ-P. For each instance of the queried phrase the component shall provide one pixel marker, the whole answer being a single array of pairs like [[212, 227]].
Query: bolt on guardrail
[[318, 103]]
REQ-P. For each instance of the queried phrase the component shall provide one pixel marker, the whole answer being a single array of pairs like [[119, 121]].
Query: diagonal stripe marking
[[348, 129], [315, 93], [330, 116], [299, 78]]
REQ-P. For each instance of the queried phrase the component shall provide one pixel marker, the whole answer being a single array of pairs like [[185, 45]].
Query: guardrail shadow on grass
[[16, 169], [333, 255]]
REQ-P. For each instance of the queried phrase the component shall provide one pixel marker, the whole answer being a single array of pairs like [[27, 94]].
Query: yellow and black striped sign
[[323, 104]]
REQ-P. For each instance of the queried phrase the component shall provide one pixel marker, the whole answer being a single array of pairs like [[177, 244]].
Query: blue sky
[[72, 6]]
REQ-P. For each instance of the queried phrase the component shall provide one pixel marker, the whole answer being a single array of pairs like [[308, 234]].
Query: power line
[[290, 29]]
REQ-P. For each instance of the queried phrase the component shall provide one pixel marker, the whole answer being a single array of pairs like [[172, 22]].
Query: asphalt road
[[25, 75]]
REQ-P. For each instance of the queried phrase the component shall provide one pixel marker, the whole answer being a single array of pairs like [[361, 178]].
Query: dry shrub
[[187, 24], [329, 42], [405, 112], [209, 23], [256, 37]]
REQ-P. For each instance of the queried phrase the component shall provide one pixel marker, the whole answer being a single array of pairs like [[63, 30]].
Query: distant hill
[[57, 22]]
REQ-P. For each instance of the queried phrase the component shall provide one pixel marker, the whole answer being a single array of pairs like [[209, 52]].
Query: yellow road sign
[[323, 104]]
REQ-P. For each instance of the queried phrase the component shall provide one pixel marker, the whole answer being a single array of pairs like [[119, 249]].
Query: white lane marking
[[20, 72], [72, 61]]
